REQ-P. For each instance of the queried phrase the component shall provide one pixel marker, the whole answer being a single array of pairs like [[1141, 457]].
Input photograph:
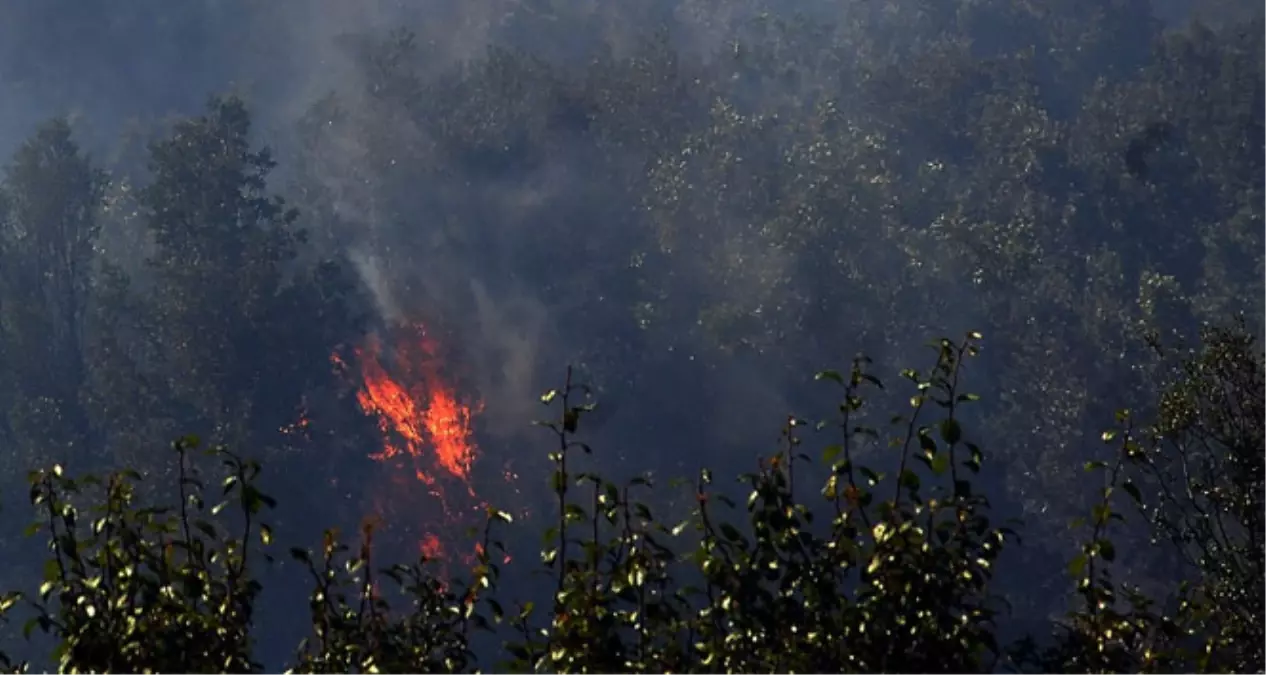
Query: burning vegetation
[[427, 446]]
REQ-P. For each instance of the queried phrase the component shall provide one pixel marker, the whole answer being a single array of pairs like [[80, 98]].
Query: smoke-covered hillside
[[360, 239]]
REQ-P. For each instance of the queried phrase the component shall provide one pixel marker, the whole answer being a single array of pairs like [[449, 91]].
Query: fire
[[431, 546], [428, 446], [299, 428]]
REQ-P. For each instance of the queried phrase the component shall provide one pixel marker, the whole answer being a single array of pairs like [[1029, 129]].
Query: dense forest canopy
[[356, 241]]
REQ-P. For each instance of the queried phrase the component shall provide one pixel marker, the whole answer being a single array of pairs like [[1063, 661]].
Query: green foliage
[[49, 201], [134, 587], [867, 571], [1203, 460], [894, 565], [216, 325], [221, 242], [354, 630]]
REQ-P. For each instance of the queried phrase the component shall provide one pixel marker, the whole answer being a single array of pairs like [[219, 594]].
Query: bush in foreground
[[861, 571]]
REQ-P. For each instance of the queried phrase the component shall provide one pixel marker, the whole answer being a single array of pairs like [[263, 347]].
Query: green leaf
[[926, 442], [940, 463], [1106, 550], [1077, 566], [831, 375], [951, 432], [52, 571], [831, 452], [1100, 513], [1132, 490], [265, 534], [977, 458], [575, 513], [549, 396], [206, 528]]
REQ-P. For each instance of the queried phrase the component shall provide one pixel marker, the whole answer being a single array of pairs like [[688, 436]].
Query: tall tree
[[48, 231], [224, 339]]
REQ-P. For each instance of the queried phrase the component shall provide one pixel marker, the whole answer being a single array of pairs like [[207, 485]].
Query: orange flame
[[426, 431]]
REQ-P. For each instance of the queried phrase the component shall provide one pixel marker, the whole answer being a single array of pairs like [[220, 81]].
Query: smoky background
[[545, 184]]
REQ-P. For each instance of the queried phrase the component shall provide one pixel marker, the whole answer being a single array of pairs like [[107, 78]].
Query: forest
[[676, 336]]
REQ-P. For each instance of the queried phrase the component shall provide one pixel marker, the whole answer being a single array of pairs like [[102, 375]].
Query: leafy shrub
[[862, 571]]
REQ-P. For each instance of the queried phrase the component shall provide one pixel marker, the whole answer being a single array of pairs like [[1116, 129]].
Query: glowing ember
[[431, 547], [426, 437], [298, 430]]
